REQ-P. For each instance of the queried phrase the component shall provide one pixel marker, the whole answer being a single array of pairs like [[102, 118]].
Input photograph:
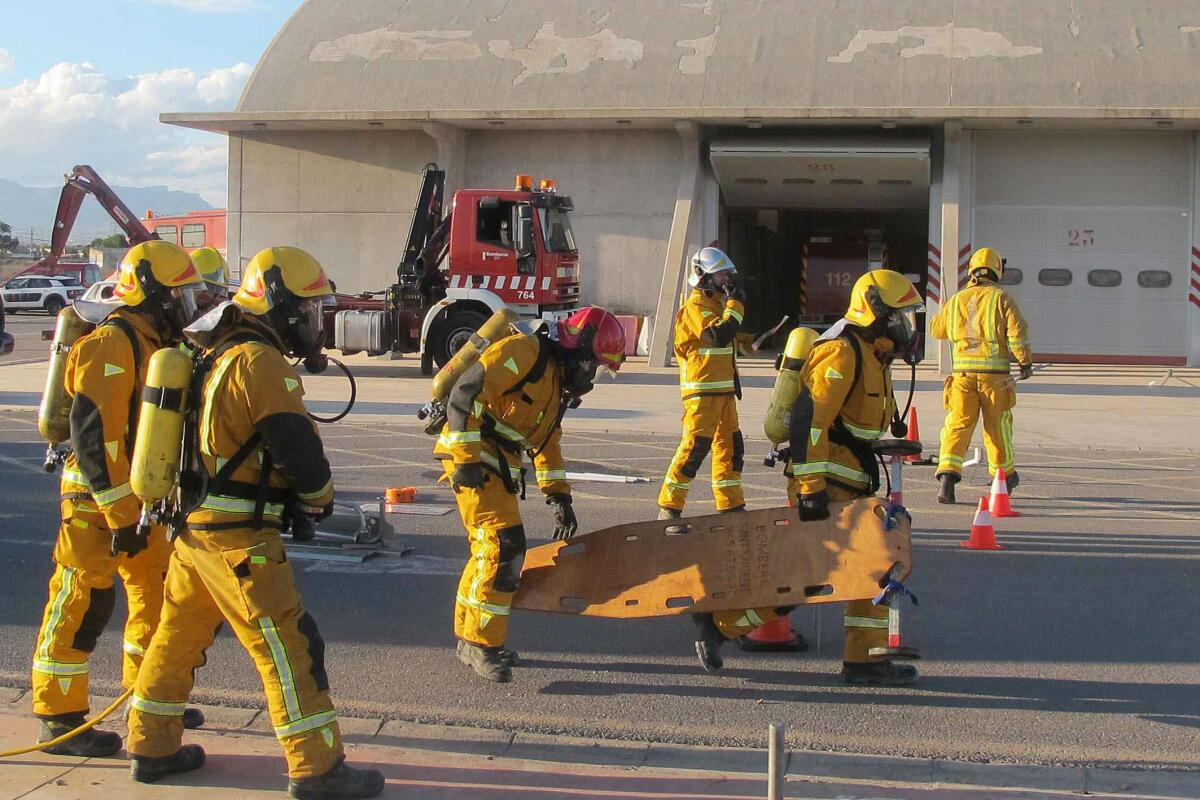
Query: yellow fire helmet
[[212, 265], [153, 268], [879, 290], [160, 279], [987, 258], [287, 288]]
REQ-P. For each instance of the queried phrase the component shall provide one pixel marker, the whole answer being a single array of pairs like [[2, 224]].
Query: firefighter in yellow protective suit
[[705, 331], [252, 457], [512, 401], [158, 289], [845, 403], [986, 333]]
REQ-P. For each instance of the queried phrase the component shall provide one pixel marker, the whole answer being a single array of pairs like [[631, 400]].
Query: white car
[[40, 293]]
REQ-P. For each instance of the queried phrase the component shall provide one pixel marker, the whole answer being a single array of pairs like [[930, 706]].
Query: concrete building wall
[[344, 196], [623, 184]]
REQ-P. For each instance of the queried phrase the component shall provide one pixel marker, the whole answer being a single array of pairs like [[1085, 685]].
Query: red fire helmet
[[608, 335]]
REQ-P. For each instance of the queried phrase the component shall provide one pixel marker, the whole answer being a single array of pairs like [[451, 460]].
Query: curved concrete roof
[[697, 57]]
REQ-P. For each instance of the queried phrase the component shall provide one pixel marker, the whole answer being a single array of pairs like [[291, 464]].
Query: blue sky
[[88, 86]]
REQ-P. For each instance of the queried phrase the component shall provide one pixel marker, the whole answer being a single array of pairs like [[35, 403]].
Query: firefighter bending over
[[158, 289], [986, 333], [845, 403], [252, 456], [706, 328], [512, 401]]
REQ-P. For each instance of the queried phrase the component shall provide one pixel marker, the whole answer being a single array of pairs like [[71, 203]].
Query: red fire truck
[[191, 230], [495, 248]]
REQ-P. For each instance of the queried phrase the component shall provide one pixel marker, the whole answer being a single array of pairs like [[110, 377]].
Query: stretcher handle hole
[[779, 523], [716, 528], [718, 595], [819, 590], [631, 603], [679, 602], [573, 549], [678, 530], [783, 590], [633, 537], [573, 603]]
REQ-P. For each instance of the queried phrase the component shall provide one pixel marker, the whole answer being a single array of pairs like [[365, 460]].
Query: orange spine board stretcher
[[718, 562]]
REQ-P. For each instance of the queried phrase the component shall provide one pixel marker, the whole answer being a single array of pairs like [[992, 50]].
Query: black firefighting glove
[[467, 476], [564, 516], [1026, 372], [736, 289], [814, 507], [128, 540]]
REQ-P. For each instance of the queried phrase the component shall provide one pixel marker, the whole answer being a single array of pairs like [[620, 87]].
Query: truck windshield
[[556, 229]]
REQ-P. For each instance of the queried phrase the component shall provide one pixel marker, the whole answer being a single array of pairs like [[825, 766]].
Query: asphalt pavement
[[1074, 645]]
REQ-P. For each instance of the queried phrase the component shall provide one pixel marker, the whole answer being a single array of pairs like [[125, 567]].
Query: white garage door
[[1099, 225]]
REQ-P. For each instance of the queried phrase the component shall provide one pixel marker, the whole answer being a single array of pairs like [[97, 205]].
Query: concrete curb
[[801, 764]]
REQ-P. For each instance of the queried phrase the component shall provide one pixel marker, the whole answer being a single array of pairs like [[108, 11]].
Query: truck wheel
[[454, 333], [53, 305]]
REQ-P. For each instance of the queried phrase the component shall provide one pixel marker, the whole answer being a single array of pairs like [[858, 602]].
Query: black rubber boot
[[487, 661], [145, 769], [878, 673], [340, 783], [946, 493], [669, 513], [91, 743], [708, 643], [1013, 481], [733, 510], [510, 657]]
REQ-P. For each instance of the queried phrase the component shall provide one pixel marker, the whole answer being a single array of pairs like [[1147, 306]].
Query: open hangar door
[[1097, 230], [804, 216]]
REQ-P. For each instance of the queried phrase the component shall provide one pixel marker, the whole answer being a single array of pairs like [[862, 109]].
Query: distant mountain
[[25, 207]]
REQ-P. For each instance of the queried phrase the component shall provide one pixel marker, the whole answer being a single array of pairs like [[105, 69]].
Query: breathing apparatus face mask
[[306, 325], [182, 307]]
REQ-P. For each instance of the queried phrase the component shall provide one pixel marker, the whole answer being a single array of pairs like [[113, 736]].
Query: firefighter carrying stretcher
[[512, 401], [845, 402]]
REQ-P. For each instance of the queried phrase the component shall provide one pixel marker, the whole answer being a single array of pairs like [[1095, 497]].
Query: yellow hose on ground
[[91, 723]]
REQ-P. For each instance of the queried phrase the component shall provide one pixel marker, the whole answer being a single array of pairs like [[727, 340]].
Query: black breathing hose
[[353, 395]]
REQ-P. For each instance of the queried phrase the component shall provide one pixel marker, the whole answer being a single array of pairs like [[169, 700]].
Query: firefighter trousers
[[966, 397], [82, 595], [489, 581], [710, 424], [866, 624], [242, 577]]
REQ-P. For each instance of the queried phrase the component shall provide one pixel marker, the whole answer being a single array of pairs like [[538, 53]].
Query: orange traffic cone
[[998, 503], [914, 435], [983, 535], [775, 636]]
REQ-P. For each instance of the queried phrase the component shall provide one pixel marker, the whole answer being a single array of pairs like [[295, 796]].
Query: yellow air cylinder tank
[[159, 442], [787, 384], [498, 326], [54, 413]]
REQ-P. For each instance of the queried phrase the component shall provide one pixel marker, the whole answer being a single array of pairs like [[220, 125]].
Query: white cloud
[[7, 62], [210, 6], [73, 113]]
